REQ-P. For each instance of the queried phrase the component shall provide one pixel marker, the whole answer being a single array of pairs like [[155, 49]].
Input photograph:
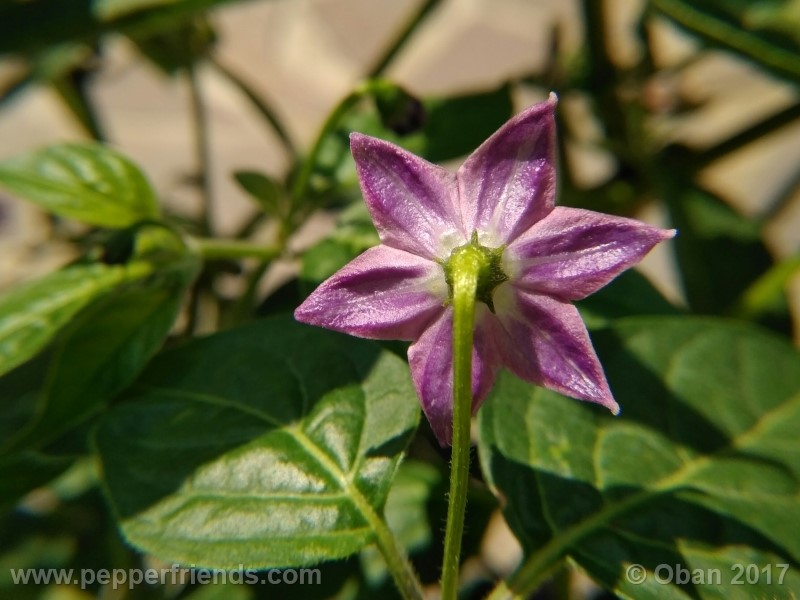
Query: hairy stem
[[397, 562], [465, 284]]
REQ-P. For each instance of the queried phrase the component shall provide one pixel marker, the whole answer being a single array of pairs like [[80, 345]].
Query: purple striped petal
[[572, 252], [412, 202], [384, 293], [509, 182], [546, 343], [431, 361]]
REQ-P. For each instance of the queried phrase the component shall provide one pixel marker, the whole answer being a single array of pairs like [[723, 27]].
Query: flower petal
[[431, 361], [546, 343], [384, 293], [411, 200], [509, 182], [572, 252]]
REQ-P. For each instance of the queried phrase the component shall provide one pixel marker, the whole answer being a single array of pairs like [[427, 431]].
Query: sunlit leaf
[[276, 445], [87, 182], [31, 314], [702, 468]]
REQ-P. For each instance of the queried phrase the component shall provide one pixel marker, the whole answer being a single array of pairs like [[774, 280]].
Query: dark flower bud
[[400, 112]]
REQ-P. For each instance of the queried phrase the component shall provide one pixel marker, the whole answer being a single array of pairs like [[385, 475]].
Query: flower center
[[486, 261]]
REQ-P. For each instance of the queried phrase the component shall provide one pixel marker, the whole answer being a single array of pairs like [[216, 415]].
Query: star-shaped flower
[[502, 201]]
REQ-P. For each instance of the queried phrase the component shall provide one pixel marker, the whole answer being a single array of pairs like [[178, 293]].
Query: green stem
[[201, 292], [465, 270], [202, 149], [301, 183], [402, 38], [396, 561], [755, 132], [219, 249], [264, 109], [721, 31], [303, 180], [75, 95], [243, 306]]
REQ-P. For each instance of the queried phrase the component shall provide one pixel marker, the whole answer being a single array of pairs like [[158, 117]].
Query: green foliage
[[416, 505], [449, 128], [354, 234], [455, 126], [629, 294], [96, 356], [27, 27], [278, 445], [282, 444], [701, 469], [90, 183], [31, 314], [23, 471], [74, 339], [266, 192], [720, 252], [764, 32]]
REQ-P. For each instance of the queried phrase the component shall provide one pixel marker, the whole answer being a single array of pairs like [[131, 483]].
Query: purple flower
[[502, 200]]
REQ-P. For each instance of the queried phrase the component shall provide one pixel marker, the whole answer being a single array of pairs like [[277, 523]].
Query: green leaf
[[453, 127], [354, 234], [322, 260], [457, 125], [720, 252], [267, 192], [221, 591], [108, 10], [92, 359], [754, 30], [87, 182], [27, 27], [701, 470], [178, 47], [629, 294], [276, 445], [768, 293], [32, 314], [776, 15], [25, 471]]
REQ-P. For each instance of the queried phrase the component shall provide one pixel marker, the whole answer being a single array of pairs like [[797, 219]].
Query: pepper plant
[[494, 297]]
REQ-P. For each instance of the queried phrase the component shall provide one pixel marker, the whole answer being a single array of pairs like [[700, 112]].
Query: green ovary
[[487, 262]]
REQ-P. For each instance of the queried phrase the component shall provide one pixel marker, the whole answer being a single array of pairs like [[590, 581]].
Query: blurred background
[[303, 56], [683, 114]]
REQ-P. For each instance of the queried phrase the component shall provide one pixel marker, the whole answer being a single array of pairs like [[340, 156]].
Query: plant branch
[[202, 149], [389, 55], [303, 179], [751, 134], [264, 109], [219, 249], [719, 31], [397, 562]]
